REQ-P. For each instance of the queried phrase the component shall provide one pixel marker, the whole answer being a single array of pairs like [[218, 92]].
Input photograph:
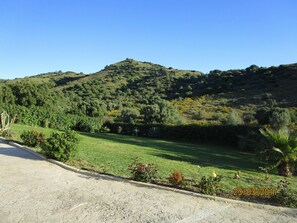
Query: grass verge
[[111, 154]]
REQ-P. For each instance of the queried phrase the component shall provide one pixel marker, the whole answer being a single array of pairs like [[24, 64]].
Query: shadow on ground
[[16, 152], [196, 154]]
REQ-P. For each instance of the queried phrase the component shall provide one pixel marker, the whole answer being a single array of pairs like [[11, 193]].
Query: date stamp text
[[260, 192]]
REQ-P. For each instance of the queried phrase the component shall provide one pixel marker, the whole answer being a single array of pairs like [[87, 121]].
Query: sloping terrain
[[134, 84]]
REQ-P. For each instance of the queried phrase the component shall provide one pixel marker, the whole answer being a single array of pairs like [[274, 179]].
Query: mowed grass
[[111, 153]]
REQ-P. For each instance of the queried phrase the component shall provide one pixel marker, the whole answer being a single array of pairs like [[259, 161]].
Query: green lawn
[[112, 153]]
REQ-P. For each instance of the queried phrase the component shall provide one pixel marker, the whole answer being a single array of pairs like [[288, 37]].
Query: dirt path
[[33, 190]]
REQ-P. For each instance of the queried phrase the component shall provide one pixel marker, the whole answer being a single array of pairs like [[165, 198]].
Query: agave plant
[[4, 121], [282, 151]]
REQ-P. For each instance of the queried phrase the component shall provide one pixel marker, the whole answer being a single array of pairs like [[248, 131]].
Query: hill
[[134, 91]]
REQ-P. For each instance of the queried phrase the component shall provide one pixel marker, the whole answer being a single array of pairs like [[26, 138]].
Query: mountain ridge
[[56, 73], [135, 84]]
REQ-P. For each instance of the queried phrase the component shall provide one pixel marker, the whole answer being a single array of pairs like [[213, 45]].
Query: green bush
[[104, 129], [83, 127], [263, 115], [285, 197], [40, 116], [280, 118], [274, 116], [87, 124], [141, 171], [210, 185], [129, 115], [61, 146], [32, 138], [162, 112]]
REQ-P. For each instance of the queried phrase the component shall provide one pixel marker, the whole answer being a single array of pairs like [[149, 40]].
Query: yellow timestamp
[[260, 192]]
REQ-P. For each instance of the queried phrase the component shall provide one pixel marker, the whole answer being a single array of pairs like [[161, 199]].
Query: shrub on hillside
[[280, 118], [293, 114], [40, 116], [33, 138], [129, 115], [60, 146], [104, 129], [233, 118], [263, 115], [142, 171], [248, 118], [87, 125], [274, 116], [162, 112]]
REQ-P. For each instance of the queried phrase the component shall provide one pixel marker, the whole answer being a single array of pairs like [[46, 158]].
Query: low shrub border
[[222, 134], [60, 146], [33, 138]]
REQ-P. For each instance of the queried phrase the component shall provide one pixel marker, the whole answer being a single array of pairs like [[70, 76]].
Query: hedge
[[220, 134]]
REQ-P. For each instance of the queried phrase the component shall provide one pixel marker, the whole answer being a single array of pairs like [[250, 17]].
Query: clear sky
[[39, 36]]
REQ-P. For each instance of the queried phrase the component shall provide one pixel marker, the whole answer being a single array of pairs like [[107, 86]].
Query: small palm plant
[[282, 151]]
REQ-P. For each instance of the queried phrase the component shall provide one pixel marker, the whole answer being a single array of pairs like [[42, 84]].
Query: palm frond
[[278, 150]]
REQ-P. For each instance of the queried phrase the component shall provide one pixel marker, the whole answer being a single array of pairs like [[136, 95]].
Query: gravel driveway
[[33, 190]]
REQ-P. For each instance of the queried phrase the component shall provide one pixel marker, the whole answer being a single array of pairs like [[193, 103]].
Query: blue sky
[[39, 36]]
